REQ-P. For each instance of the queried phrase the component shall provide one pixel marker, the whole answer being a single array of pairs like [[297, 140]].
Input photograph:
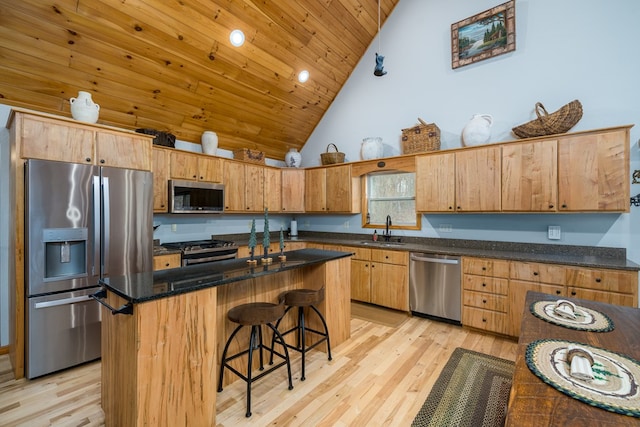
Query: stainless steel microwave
[[195, 197]]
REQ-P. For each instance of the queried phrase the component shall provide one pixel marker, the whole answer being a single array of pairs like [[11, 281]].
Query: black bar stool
[[302, 298], [255, 315]]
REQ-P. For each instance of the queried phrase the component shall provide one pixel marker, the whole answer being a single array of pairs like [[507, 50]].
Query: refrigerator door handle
[[106, 226], [96, 226], [64, 301]]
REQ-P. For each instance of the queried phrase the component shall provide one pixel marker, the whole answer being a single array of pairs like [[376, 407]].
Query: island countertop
[[140, 287]]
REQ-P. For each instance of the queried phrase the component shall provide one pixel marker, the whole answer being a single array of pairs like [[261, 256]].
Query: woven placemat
[[615, 387], [586, 318]]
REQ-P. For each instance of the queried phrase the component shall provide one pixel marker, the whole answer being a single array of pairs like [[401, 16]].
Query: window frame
[[365, 203]]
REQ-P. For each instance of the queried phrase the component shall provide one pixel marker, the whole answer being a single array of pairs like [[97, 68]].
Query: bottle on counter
[[375, 235]]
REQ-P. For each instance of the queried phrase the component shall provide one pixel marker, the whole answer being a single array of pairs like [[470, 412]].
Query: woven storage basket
[[421, 138], [330, 158], [253, 156], [550, 124]]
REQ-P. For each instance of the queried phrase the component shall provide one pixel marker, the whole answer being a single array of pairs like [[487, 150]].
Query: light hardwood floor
[[380, 377]]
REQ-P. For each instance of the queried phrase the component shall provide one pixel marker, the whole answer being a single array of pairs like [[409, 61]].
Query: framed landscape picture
[[485, 35]]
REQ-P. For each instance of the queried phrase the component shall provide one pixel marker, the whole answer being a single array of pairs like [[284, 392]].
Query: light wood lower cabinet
[[603, 285], [165, 261], [485, 290], [380, 277]]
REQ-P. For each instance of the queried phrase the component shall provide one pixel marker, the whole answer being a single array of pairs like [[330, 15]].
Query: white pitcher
[[209, 142], [371, 148], [478, 130], [83, 108]]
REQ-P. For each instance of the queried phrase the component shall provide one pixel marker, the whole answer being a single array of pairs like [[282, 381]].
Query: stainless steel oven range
[[203, 251]]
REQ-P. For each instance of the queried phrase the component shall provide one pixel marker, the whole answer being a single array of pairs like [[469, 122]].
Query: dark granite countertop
[[580, 256], [147, 286]]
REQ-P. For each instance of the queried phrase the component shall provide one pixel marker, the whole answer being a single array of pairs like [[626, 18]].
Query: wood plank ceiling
[[169, 65]]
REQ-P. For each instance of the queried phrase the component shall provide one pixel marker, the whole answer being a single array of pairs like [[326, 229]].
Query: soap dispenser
[[375, 235]]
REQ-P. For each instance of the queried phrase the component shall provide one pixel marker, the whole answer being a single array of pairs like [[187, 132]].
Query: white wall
[[565, 50]]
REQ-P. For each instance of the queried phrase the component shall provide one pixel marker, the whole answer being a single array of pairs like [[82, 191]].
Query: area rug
[[379, 315], [472, 390]]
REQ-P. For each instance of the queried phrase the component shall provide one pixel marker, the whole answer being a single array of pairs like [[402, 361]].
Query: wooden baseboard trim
[[4, 350]]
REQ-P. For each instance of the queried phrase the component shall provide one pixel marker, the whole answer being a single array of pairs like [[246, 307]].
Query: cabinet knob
[[484, 320], [450, 208], [598, 280], [458, 207], [558, 292], [202, 177], [484, 268], [484, 285], [88, 159], [166, 265], [102, 161], [484, 301], [195, 176], [564, 205], [550, 206], [535, 273], [573, 293]]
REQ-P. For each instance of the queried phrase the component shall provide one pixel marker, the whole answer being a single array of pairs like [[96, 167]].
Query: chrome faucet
[[387, 234]]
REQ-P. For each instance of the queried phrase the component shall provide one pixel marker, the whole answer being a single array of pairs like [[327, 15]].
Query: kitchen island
[[160, 356]]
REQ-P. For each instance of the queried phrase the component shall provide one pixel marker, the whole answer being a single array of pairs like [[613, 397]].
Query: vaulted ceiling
[[169, 65]]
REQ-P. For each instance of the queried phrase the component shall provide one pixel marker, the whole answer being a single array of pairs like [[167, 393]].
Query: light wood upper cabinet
[[435, 183], [332, 189], [293, 190], [160, 169], [234, 186], [593, 172], [272, 189], [315, 194], [195, 167], [530, 176], [254, 188], [478, 179], [62, 140]]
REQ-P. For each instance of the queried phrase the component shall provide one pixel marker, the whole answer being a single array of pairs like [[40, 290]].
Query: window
[[393, 194]]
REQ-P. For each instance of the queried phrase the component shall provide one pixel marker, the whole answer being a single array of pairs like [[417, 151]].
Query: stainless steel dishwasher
[[435, 286]]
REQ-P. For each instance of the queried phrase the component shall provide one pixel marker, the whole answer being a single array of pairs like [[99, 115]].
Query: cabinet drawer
[[615, 298], [486, 267], [390, 257], [492, 285], [359, 253], [484, 319], [485, 300], [601, 279], [536, 272], [163, 262]]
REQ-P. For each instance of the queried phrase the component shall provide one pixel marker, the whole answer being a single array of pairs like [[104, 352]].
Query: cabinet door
[[360, 280], [293, 190], [530, 177], [478, 180], [184, 165], [49, 139], [435, 183], [389, 286], [338, 189], [517, 295], [123, 151], [209, 169], [315, 195], [593, 172], [254, 188], [234, 186], [272, 189], [160, 179]]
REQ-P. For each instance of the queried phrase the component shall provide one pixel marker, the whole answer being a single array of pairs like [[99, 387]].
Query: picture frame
[[484, 35]]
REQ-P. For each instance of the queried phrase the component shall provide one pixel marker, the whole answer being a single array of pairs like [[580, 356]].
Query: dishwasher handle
[[435, 260]]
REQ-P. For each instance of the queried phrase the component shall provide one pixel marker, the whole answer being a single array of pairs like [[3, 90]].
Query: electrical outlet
[[174, 227], [445, 228], [346, 224], [554, 232]]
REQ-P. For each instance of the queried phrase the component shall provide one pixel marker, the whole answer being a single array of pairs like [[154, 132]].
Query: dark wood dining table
[[535, 403]]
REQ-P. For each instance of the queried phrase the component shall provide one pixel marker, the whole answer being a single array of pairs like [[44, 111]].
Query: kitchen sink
[[382, 244]]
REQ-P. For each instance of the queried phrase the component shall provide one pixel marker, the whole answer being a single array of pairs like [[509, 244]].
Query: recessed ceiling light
[[237, 38], [303, 76]]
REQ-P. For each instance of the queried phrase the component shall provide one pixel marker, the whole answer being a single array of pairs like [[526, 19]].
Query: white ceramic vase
[[478, 130], [83, 108], [209, 141], [371, 148], [293, 158]]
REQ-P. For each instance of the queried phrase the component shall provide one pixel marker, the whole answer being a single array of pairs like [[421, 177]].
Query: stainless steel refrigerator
[[82, 222]]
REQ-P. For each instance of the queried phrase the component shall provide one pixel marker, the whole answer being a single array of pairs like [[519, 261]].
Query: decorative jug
[[293, 159], [371, 148], [209, 141], [478, 130], [83, 108]]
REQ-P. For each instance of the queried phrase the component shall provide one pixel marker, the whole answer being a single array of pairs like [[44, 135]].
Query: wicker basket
[[422, 138], [253, 156], [550, 124], [330, 158]]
